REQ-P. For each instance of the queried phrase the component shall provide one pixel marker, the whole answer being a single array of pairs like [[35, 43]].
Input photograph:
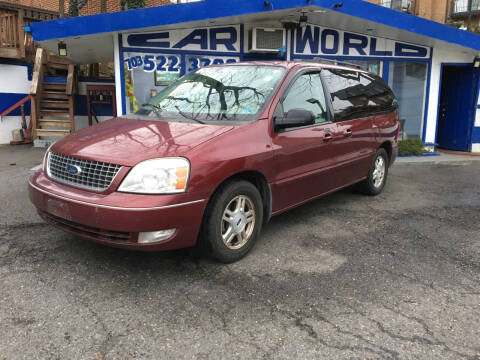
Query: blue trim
[[63, 80], [242, 39], [386, 71], [475, 138], [136, 19], [9, 99], [183, 64], [361, 58], [122, 74], [55, 79]]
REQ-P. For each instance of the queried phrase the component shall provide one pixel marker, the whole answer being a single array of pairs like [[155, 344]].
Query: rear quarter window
[[356, 94]]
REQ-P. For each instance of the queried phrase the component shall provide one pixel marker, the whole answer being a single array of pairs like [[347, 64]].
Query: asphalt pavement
[[345, 277]]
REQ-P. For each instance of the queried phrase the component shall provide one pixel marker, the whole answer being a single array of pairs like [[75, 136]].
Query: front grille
[[99, 234], [93, 175]]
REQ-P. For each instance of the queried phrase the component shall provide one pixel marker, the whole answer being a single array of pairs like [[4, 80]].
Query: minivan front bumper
[[116, 219]]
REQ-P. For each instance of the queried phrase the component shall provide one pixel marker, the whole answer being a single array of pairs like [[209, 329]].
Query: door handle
[[348, 133], [327, 137]]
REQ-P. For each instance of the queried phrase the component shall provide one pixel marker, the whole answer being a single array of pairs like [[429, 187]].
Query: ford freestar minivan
[[213, 156]]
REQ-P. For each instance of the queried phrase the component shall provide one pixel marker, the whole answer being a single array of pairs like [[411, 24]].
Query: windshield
[[223, 93]]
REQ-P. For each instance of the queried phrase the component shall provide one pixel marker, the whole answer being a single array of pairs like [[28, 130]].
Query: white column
[[118, 75], [289, 44]]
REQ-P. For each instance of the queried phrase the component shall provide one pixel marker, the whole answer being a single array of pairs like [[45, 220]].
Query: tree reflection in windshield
[[218, 93]]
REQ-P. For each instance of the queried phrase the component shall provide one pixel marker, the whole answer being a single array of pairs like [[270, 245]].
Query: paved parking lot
[[344, 277]]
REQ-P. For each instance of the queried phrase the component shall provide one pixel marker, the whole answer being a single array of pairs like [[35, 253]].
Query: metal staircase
[[53, 103]]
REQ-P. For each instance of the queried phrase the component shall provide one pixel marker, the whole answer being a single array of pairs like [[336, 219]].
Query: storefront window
[[148, 74], [408, 81]]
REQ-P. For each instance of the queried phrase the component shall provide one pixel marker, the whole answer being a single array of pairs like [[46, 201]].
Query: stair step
[[52, 132], [54, 113], [55, 123], [54, 95], [54, 86], [54, 104], [58, 66]]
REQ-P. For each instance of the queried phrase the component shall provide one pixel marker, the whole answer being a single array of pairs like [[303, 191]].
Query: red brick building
[[90, 7], [442, 11], [436, 10]]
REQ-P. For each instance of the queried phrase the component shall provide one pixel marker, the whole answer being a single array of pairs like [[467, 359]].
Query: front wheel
[[377, 175], [233, 221]]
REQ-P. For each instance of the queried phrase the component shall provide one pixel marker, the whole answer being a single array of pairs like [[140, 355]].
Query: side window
[[307, 93], [381, 94], [357, 94]]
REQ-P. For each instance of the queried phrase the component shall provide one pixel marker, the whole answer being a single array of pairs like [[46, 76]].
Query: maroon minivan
[[219, 152]]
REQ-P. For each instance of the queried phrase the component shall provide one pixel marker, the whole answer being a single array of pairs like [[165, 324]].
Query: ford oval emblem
[[73, 169]]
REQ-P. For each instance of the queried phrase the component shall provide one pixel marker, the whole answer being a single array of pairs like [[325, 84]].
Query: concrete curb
[[442, 159]]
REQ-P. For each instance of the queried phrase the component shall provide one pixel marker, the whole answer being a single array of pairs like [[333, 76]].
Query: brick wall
[[91, 7], [51, 5], [435, 10]]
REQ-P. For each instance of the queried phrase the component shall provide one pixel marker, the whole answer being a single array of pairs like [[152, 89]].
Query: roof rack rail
[[333, 62]]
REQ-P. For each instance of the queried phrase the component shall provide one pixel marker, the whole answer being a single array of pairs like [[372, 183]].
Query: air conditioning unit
[[269, 40]]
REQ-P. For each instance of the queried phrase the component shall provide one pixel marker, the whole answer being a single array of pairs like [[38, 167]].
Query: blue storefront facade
[[404, 66], [152, 47]]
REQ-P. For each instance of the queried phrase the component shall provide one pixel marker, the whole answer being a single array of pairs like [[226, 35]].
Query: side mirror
[[295, 118], [395, 103]]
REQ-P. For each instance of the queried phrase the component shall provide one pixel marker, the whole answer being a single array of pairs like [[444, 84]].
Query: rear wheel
[[233, 221], [377, 175]]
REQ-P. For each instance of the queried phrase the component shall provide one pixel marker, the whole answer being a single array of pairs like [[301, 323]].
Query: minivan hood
[[127, 141]]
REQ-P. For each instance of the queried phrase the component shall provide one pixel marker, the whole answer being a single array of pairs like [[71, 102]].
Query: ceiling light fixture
[[302, 22]]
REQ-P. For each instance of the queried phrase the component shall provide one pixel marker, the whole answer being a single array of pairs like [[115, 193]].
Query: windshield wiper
[[188, 116], [155, 108]]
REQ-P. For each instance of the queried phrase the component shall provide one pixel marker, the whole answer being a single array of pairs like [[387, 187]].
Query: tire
[[230, 240], [372, 185]]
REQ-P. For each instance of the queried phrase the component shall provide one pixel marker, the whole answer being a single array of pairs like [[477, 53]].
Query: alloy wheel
[[238, 222], [379, 172]]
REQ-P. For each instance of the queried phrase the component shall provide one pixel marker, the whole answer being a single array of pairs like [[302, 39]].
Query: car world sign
[[315, 40], [190, 49]]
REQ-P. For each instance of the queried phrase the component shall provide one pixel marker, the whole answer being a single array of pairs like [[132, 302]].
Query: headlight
[[157, 176], [45, 157]]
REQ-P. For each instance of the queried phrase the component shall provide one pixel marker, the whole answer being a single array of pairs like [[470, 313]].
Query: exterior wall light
[[476, 62], [302, 22], [62, 49]]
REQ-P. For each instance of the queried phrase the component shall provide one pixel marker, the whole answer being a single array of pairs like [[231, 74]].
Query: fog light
[[155, 236]]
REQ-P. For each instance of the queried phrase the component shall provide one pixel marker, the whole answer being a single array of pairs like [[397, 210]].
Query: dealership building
[[432, 68]]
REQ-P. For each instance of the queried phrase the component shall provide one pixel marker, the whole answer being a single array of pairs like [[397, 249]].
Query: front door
[[457, 105], [304, 156]]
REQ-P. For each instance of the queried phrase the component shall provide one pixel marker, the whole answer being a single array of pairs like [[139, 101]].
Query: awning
[[89, 38]]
